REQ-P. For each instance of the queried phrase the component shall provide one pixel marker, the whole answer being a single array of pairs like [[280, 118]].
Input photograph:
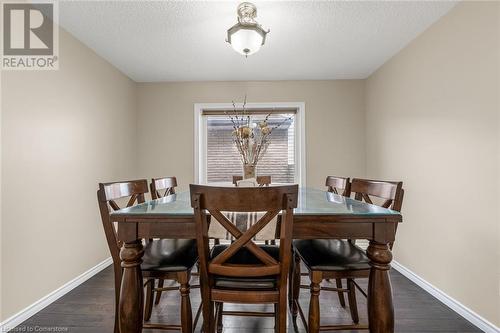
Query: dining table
[[319, 215]]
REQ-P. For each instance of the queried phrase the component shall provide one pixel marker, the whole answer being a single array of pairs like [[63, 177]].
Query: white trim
[[29, 311], [475, 319], [300, 137]]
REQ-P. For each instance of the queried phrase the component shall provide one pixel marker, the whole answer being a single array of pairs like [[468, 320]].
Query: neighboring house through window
[[217, 158]]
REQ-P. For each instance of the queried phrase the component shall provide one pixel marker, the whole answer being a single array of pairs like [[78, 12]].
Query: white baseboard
[[26, 313], [452, 303]]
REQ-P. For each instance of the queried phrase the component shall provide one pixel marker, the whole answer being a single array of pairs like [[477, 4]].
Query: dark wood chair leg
[[282, 309], [352, 300], [186, 312], [118, 281], [158, 293], [313, 322], [276, 317], [207, 308], [148, 303], [295, 282], [219, 308], [341, 293], [290, 280]]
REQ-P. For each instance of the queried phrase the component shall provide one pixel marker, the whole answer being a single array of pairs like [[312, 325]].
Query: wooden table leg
[[131, 291], [380, 308]]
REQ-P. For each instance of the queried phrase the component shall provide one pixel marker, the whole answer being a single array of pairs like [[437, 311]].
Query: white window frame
[[200, 128]]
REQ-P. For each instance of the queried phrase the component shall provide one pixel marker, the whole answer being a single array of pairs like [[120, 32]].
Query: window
[[218, 159], [223, 159]]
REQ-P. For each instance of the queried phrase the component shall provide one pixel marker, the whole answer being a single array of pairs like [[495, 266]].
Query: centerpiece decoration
[[250, 138]]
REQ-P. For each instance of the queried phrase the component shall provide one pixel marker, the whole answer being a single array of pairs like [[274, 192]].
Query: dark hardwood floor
[[89, 309]]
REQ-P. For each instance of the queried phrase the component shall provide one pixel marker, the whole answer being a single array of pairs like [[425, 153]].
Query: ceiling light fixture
[[247, 36]]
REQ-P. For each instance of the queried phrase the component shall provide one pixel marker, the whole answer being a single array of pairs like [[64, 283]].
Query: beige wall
[[334, 117], [62, 132], [433, 122]]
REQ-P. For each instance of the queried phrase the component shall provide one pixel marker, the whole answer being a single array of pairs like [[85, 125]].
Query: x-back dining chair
[[243, 271], [170, 259], [261, 181], [162, 187], [337, 185], [340, 259], [268, 235]]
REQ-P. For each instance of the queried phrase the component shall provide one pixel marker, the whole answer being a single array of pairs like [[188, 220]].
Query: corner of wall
[[365, 124], [136, 134]]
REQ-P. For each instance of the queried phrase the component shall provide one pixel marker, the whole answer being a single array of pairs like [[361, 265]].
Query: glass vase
[[248, 171]]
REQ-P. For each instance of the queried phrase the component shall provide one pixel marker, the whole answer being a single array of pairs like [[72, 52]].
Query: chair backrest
[[271, 200], [162, 187], [261, 180], [107, 195], [391, 192], [339, 185]]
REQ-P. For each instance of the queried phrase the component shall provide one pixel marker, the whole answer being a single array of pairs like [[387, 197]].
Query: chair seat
[[169, 255], [245, 257], [331, 255]]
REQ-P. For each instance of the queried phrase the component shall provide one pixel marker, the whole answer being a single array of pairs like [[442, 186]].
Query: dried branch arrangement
[[250, 139]]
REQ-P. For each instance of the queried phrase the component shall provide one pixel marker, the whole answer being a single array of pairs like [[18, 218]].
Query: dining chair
[[239, 181], [243, 271], [337, 185], [170, 259], [261, 180], [162, 187], [339, 259]]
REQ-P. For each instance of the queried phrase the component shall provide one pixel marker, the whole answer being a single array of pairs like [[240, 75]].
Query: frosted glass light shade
[[246, 41]]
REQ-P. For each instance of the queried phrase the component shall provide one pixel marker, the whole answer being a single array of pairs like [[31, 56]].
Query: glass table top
[[310, 202]]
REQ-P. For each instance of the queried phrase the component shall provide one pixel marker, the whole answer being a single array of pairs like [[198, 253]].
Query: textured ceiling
[[185, 41]]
